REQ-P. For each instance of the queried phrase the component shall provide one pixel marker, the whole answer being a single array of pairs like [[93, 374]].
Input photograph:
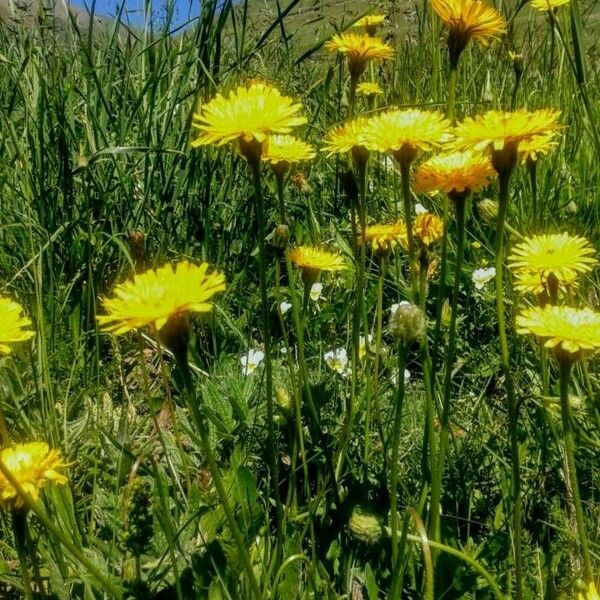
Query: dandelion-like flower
[[428, 228], [370, 23], [591, 593], [455, 174], [532, 150], [284, 150], [369, 89], [251, 361], [466, 20], [337, 360], [247, 116], [546, 5], [383, 238], [33, 465], [359, 49], [351, 137], [561, 255], [481, 276], [403, 133], [13, 325], [571, 330], [312, 260], [502, 132], [157, 296]]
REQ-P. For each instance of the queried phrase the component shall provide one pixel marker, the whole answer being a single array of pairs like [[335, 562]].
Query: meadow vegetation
[[300, 300]]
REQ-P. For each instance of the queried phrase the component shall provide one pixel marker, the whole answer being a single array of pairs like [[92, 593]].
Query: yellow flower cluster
[[33, 466]]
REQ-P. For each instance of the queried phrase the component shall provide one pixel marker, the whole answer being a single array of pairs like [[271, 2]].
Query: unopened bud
[[280, 236], [408, 322], [488, 209], [365, 526]]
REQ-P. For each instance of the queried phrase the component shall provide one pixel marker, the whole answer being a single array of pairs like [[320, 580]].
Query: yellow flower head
[[562, 255], [454, 173], [534, 149], [156, 296], [384, 237], [370, 23], [351, 136], [428, 228], [369, 88], [284, 150], [590, 594], [12, 325], [33, 465], [562, 327], [359, 49], [247, 116], [313, 260], [403, 133], [530, 282], [466, 20], [546, 5], [502, 132]]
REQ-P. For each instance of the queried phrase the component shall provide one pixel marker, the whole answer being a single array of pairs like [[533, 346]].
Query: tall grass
[[98, 181]]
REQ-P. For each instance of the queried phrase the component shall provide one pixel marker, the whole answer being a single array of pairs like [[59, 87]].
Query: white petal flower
[[284, 307], [251, 360], [420, 209], [394, 307], [337, 360], [481, 276], [315, 291]]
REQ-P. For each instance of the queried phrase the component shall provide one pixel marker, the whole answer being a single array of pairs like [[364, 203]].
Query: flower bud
[[488, 209], [408, 322], [280, 237], [365, 526]]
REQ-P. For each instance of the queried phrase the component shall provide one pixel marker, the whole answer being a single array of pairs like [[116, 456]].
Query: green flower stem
[[19, 527], [513, 409], [436, 483], [407, 198], [565, 371], [36, 508], [279, 180], [377, 359], [532, 171], [441, 296], [264, 301], [451, 105], [399, 404], [202, 427]]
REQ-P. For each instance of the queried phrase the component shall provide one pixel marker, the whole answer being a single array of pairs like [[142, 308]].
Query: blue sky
[[134, 9]]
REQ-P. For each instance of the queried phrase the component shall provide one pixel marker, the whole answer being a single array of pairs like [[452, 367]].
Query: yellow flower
[[284, 150], [590, 594], [403, 133], [455, 173], [562, 327], [532, 150], [502, 132], [466, 20], [12, 325], [156, 296], [529, 282], [33, 465], [384, 237], [313, 260], [370, 23], [546, 5], [351, 136], [369, 88], [247, 116], [359, 49], [428, 228], [562, 255]]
